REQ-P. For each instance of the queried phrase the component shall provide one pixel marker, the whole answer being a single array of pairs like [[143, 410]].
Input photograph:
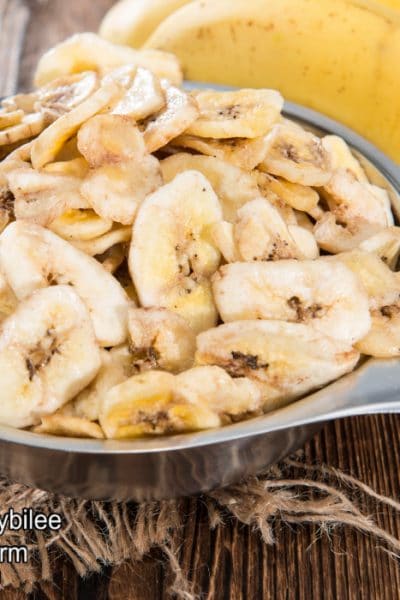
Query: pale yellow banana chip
[[244, 153], [244, 113], [110, 139], [180, 111], [41, 197], [115, 191], [30, 126], [64, 94], [89, 52], [143, 98], [76, 167], [145, 405], [99, 245], [8, 119], [66, 426], [297, 156], [297, 196], [48, 145], [78, 224], [233, 186], [342, 158]]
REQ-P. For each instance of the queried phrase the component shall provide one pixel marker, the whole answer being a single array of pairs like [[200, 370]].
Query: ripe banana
[[339, 57], [45, 360], [131, 22], [32, 257]]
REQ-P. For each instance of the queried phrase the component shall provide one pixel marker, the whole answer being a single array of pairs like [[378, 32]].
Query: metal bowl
[[188, 464]]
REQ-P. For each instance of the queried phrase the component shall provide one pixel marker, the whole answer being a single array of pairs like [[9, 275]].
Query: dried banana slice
[[342, 158], [383, 289], [123, 173], [89, 52], [145, 405], [116, 191], [64, 94], [232, 399], [8, 300], [75, 167], [100, 245], [24, 102], [67, 426], [116, 367], [246, 154], [10, 118], [260, 233], [297, 196], [335, 238], [110, 139], [41, 197], [30, 126], [322, 294], [243, 114], [172, 254], [305, 241], [144, 98], [298, 156], [78, 224], [32, 257], [46, 147], [385, 244], [233, 186], [160, 339], [286, 359], [180, 111], [223, 236], [46, 360], [349, 200]]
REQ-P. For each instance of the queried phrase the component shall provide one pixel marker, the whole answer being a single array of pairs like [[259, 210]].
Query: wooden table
[[230, 562]]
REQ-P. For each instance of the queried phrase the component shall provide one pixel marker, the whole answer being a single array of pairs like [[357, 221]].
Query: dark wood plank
[[232, 562], [52, 21]]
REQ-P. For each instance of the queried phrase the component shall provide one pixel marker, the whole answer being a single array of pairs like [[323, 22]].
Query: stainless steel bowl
[[193, 463]]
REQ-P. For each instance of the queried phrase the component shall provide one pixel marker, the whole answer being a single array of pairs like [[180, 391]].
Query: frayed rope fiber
[[95, 534]]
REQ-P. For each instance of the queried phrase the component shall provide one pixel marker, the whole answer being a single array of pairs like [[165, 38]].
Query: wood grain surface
[[230, 562]]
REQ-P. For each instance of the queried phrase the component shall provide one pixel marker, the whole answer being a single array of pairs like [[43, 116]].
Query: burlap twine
[[96, 534]]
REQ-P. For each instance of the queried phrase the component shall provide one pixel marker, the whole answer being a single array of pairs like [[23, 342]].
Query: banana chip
[[65, 426], [89, 52], [46, 147], [242, 114], [241, 152], [28, 127], [8, 119]]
